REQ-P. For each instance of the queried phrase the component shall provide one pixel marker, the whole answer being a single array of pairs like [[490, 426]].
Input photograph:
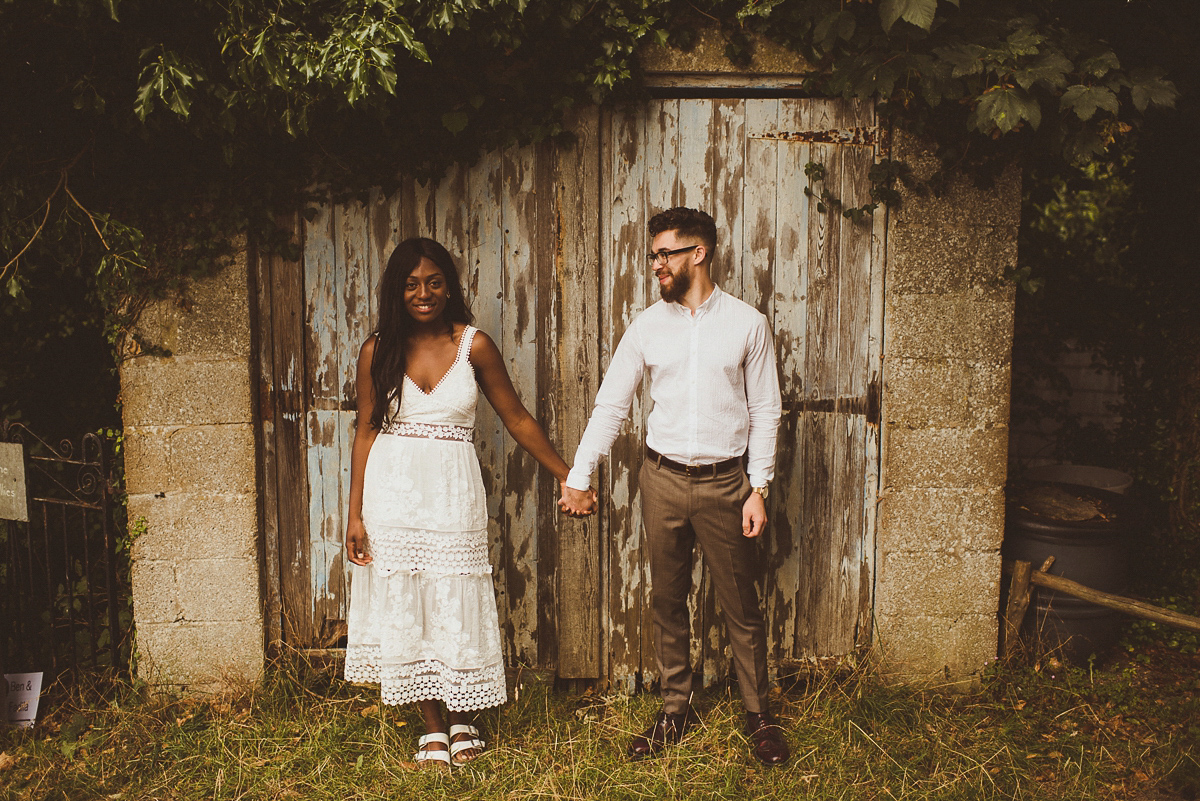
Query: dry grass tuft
[[1047, 732]]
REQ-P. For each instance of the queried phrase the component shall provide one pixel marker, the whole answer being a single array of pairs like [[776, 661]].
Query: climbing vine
[[882, 179], [142, 137]]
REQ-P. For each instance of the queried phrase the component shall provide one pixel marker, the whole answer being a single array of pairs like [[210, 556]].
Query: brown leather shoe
[[668, 729], [764, 731]]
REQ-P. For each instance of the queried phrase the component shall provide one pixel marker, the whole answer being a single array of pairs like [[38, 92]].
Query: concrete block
[[185, 391], [155, 592], [201, 656], [974, 325], [147, 459], [955, 202], [211, 316], [938, 582], [218, 590], [952, 520], [989, 395], [945, 457], [202, 526], [937, 259], [213, 459], [926, 393], [935, 650]]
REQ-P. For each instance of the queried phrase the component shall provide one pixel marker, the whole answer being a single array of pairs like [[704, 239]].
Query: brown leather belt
[[693, 470]]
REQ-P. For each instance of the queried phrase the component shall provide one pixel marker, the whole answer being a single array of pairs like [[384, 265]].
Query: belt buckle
[[692, 470]]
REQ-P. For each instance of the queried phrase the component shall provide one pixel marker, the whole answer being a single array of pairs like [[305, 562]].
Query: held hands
[[754, 515], [577, 503], [356, 543]]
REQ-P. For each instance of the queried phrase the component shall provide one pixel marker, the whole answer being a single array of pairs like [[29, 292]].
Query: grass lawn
[[1128, 730]]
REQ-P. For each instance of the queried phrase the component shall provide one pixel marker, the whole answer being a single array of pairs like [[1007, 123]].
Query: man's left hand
[[754, 515]]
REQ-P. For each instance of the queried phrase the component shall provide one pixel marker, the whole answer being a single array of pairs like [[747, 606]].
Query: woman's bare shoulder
[[482, 348]]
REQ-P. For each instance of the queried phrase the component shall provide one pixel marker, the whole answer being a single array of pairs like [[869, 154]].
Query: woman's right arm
[[364, 437]]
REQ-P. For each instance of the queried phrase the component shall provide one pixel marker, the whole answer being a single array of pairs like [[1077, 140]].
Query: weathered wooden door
[[551, 242], [818, 278], [513, 221]]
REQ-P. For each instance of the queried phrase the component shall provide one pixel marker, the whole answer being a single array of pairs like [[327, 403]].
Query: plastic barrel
[[1092, 552]]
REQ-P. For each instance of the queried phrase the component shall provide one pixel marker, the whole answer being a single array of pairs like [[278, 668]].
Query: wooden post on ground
[[1020, 590], [1024, 578]]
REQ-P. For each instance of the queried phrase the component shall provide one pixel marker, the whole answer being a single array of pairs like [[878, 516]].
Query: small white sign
[[24, 689], [12, 482]]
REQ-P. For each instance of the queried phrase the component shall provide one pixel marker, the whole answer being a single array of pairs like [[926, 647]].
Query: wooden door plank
[[354, 326], [622, 295], [697, 156], [671, 181], [872, 439], [323, 283], [764, 201], [562, 628], [826, 533], [268, 412], [727, 165], [289, 333], [854, 287], [483, 268], [518, 344], [758, 240], [384, 222], [792, 527], [572, 344]]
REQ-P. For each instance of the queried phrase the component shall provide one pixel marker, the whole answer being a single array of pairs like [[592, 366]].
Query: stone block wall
[[948, 319], [190, 475]]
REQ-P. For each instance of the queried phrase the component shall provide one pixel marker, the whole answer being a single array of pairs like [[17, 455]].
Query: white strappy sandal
[[441, 755], [473, 740]]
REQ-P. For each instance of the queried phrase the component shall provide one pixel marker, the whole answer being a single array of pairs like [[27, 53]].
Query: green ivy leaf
[[1086, 100], [1149, 88], [1049, 71], [1101, 64], [917, 12], [454, 121], [1003, 109], [966, 59]]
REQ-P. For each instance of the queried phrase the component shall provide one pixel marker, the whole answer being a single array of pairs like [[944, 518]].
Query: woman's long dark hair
[[395, 323]]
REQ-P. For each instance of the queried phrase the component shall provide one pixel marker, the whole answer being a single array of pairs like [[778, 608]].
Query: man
[[716, 398]]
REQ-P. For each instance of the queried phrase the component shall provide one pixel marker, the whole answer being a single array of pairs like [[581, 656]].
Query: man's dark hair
[[686, 222]]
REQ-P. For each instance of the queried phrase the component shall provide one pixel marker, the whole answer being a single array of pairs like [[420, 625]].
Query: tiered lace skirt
[[422, 620]]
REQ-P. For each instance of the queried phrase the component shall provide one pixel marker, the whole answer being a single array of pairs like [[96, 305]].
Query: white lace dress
[[422, 620]]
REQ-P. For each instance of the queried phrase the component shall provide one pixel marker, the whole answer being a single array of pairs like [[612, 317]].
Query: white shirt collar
[[708, 305]]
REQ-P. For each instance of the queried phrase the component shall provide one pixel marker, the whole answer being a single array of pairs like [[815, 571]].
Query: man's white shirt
[[713, 384]]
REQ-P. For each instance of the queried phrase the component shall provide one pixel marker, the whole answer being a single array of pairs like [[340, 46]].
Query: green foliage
[[142, 139]]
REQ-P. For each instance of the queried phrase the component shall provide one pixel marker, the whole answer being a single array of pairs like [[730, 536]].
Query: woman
[[422, 620]]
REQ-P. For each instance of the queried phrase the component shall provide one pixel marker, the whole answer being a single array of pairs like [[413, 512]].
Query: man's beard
[[678, 287]]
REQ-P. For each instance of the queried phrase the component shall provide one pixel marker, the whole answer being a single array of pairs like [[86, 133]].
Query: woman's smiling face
[[425, 292]]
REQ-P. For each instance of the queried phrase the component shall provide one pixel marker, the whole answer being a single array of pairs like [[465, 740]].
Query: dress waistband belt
[[430, 431]]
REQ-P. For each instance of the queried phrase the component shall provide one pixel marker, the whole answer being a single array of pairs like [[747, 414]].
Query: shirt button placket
[[694, 391]]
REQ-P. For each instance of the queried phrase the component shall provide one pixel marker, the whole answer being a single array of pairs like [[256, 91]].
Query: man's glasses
[[661, 256]]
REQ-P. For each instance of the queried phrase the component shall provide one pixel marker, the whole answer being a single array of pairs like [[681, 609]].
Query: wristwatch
[[763, 491]]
